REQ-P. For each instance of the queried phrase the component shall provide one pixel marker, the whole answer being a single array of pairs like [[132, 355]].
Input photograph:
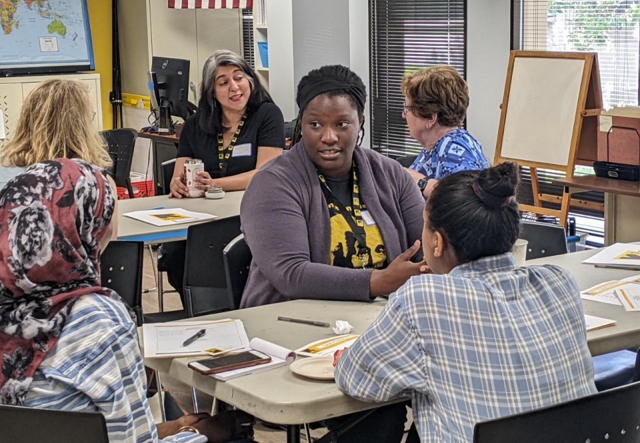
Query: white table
[[135, 230], [279, 396]]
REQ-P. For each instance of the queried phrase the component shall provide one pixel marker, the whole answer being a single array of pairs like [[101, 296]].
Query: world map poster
[[43, 32]]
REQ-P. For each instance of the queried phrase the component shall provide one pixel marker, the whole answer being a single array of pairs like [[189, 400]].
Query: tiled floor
[[182, 394]]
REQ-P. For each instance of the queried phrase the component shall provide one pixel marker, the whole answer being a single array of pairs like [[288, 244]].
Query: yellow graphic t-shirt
[[344, 245]]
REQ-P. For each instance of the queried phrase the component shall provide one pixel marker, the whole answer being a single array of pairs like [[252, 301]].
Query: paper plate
[[317, 368]]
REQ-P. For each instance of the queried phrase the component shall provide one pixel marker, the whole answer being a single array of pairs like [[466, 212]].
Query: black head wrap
[[318, 86]]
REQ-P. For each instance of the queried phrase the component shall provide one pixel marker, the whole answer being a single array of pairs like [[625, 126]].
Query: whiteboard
[[541, 109]]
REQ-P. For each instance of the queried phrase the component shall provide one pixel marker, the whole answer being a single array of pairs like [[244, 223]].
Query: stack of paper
[[166, 339], [279, 357], [327, 346], [169, 217], [619, 255], [594, 323]]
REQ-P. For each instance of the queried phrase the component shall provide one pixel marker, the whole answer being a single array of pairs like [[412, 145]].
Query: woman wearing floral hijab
[[66, 342]]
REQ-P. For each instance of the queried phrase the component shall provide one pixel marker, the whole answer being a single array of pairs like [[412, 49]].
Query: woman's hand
[[178, 187], [204, 180], [399, 271], [226, 426]]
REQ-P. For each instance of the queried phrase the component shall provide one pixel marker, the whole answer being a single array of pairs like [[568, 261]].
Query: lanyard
[[352, 216], [223, 158]]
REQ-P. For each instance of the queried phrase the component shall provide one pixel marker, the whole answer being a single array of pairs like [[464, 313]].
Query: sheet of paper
[[604, 292], [629, 297], [594, 323], [165, 339], [169, 217], [327, 346], [619, 255]]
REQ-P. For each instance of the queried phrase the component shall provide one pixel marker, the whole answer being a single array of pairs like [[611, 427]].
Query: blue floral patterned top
[[457, 151]]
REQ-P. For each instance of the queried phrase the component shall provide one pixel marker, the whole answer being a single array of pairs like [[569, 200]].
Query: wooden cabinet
[[14, 90]]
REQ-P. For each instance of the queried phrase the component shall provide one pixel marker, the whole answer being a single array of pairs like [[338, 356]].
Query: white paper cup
[[519, 251], [196, 193]]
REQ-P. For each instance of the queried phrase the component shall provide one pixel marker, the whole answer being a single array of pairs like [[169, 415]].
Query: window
[[247, 37], [608, 27], [408, 35]]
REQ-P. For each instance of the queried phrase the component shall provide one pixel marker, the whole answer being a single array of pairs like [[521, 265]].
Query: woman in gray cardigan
[[293, 211]]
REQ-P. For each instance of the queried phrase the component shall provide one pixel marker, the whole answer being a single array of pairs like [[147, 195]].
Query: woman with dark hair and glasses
[[480, 337], [236, 130]]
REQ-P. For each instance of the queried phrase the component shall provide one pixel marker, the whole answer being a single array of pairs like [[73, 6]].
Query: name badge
[[243, 150], [367, 218]]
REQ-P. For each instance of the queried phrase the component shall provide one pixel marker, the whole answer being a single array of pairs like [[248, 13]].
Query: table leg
[[293, 433]]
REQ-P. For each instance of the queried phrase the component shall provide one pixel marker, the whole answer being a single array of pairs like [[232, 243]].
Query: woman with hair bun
[[480, 337]]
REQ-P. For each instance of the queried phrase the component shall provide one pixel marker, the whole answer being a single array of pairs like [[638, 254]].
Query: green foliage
[[591, 21]]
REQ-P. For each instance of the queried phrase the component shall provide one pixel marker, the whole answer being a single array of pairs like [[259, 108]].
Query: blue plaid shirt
[[457, 151], [487, 340]]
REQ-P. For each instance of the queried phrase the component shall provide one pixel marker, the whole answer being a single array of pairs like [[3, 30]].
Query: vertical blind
[[247, 37], [610, 28], [407, 35]]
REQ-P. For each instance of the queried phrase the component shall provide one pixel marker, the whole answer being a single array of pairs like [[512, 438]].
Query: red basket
[[140, 189]]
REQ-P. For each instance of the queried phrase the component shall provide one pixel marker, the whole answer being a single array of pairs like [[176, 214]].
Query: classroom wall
[[488, 47], [320, 33], [101, 25], [359, 54]]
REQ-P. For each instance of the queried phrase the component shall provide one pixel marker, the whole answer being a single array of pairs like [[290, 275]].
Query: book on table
[[619, 255]]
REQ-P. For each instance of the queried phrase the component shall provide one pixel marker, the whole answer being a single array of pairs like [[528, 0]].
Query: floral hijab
[[52, 218]]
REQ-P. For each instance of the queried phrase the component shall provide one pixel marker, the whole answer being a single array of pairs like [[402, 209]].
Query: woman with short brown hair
[[436, 101]]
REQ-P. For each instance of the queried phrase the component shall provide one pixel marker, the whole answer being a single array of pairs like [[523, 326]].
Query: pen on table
[[194, 337], [305, 322], [151, 209]]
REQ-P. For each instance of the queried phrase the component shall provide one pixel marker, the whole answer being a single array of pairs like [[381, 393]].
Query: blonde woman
[[56, 122]]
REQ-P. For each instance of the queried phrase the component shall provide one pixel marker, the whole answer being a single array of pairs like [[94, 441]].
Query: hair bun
[[495, 186]]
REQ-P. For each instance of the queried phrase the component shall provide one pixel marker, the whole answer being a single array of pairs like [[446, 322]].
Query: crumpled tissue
[[342, 327]]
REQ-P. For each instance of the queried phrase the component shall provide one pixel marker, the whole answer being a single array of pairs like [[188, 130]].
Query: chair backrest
[[237, 260], [544, 239], [121, 143], [611, 416], [31, 425], [167, 173], [407, 160], [205, 284], [121, 270]]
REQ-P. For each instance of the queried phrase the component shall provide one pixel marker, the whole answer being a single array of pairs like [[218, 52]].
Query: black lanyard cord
[[352, 215]]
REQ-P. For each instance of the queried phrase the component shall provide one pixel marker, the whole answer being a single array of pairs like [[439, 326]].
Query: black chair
[[121, 270], [205, 283], [167, 173], [31, 425], [237, 260], [121, 143], [407, 160], [611, 416], [545, 239]]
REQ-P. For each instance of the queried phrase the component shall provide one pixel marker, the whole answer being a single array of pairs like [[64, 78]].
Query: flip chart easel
[[548, 120]]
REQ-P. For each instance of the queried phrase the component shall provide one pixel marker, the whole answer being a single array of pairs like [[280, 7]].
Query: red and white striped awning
[[210, 4]]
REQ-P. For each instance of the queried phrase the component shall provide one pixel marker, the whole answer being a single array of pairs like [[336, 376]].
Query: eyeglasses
[[405, 109]]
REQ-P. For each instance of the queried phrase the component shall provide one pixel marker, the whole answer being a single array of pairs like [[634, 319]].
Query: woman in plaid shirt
[[479, 338]]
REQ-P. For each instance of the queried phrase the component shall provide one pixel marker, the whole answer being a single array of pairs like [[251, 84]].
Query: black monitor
[[170, 78]]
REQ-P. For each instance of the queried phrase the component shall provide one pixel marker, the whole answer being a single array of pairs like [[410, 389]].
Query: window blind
[[610, 28], [247, 37], [407, 35]]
